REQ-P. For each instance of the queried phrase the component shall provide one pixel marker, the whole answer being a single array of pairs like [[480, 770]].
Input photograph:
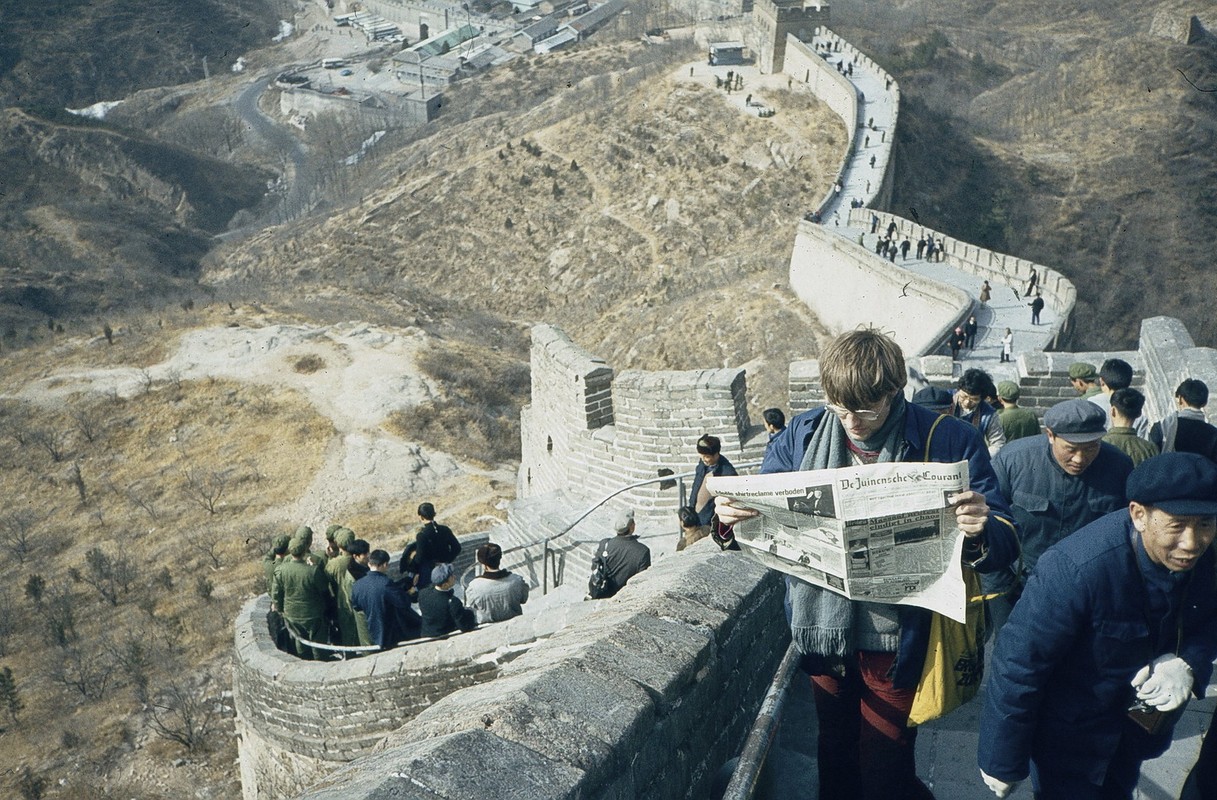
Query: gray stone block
[[459, 766]]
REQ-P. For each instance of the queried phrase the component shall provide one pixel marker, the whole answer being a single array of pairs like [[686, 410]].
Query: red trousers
[[865, 747]]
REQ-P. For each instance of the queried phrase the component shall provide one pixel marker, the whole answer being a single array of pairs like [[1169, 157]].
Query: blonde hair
[[860, 368]]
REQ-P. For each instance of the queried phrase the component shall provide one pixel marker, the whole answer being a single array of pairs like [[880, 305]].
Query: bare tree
[[88, 669], [208, 547], [8, 620], [144, 498], [59, 613], [133, 655], [35, 589], [90, 422], [204, 488], [9, 695], [31, 786], [54, 442], [17, 534], [174, 379], [111, 576], [15, 422], [77, 479], [184, 715]]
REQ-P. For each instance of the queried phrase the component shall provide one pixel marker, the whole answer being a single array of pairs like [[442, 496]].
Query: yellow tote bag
[[954, 665]]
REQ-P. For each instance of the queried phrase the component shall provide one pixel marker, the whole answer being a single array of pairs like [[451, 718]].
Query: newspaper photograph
[[879, 532]]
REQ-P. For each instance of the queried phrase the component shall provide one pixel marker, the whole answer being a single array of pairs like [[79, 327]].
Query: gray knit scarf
[[821, 620]]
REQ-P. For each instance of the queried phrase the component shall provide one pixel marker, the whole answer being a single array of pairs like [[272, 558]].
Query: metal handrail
[[342, 650], [547, 540], [748, 770]]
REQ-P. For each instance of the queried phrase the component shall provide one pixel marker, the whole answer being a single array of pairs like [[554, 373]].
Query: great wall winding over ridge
[[650, 693]]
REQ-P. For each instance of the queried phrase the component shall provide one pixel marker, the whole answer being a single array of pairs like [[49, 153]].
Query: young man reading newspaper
[[865, 658]]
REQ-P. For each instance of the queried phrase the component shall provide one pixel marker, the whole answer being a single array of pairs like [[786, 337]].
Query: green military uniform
[[271, 560], [302, 595], [352, 624], [1018, 422], [1132, 445], [338, 564], [305, 534], [341, 581]]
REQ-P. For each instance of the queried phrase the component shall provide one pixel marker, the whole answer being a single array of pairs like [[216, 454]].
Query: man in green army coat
[[270, 561], [337, 562], [302, 595], [1016, 421], [274, 620], [337, 570], [357, 567], [1126, 406], [305, 533], [331, 545]]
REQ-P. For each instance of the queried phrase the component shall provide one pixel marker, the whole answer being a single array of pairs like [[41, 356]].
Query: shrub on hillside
[[478, 417]]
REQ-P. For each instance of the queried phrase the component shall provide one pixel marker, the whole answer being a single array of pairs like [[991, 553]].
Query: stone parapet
[[647, 696], [1170, 356], [846, 285], [1044, 376], [299, 720], [656, 418], [1000, 269]]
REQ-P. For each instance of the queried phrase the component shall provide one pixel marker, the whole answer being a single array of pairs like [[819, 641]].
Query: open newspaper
[[880, 532]]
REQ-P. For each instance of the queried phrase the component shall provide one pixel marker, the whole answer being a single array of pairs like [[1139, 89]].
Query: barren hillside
[[642, 211]]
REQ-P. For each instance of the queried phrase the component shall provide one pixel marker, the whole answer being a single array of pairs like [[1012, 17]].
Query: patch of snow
[[368, 143], [285, 30], [239, 65], [95, 111]]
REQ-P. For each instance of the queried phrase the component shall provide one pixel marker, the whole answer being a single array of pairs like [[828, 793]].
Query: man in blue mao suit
[[1122, 613]]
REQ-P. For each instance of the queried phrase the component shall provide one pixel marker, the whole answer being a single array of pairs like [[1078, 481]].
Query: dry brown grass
[[641, 209], [307, 365], [264, 445], [478, 418]]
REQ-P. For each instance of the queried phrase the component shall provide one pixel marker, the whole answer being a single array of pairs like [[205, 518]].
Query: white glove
[[998, 787], [1165, 684]]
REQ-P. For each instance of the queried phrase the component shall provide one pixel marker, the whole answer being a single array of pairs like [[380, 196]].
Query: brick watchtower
[[773, 19]]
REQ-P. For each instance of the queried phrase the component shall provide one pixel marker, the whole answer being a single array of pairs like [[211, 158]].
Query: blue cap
[[1184, 484], [1076, 421], [441, 573]]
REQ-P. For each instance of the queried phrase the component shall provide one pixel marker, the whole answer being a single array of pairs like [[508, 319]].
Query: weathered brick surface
[[646, 697], [299, 720]]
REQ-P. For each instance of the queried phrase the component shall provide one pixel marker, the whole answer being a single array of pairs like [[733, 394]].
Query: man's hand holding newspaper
[[890, 532]]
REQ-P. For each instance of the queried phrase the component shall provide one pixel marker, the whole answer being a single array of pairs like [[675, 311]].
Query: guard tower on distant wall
[[772, 20]]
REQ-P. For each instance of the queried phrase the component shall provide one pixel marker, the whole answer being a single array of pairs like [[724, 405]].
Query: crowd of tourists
[[1090, 532], [351, 596]]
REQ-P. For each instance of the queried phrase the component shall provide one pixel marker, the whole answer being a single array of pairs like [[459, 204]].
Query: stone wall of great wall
[[647, 694]]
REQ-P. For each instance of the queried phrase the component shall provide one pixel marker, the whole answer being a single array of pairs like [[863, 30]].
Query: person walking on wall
[[956, 341], [1037, 305], [1117, 628], [711, 462], [970, 329], [986, 291], [1007, 345], [1032, 282]]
